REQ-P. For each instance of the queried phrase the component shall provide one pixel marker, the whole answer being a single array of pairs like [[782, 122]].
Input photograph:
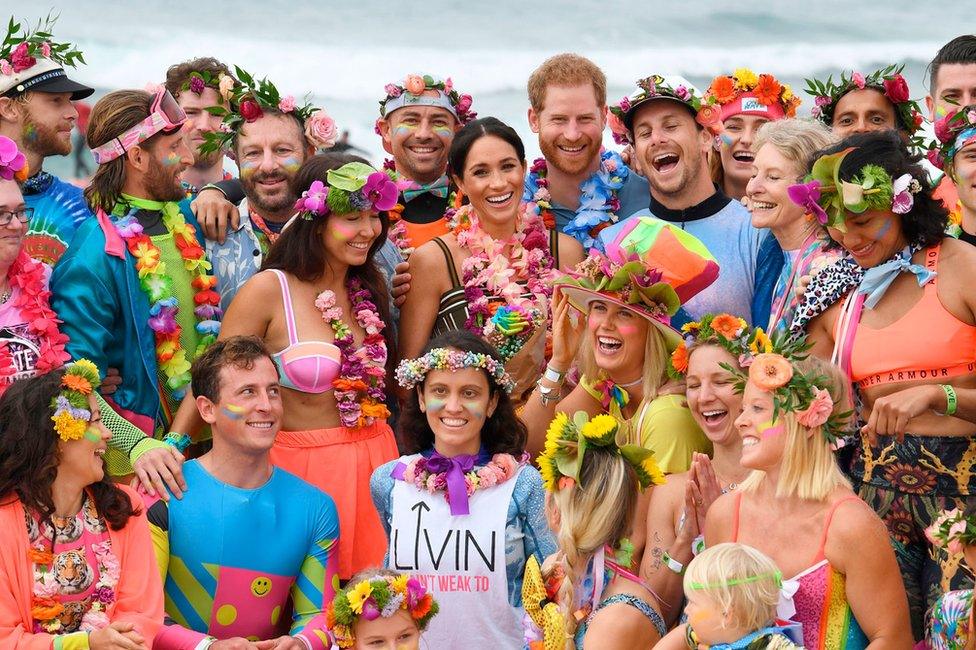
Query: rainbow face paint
[[443, 131], [30, 132], [770, 429], [248, 168], [171, 160], [404, 129], [233, 411], [883, 229], [93, 435], [474, 408], [291, 164], [434, 405]]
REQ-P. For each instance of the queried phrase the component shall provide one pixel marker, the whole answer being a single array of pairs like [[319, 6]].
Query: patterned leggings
[[909, 484]]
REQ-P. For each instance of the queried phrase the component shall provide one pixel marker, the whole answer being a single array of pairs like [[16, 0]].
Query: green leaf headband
[[411, 372], [775, 575], [568, 439], [19, 51]]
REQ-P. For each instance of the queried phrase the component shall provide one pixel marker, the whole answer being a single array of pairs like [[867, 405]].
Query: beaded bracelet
[[179, 440]]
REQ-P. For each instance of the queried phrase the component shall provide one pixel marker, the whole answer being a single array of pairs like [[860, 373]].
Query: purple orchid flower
[[415, 592], [11, 160], [382, 191], [314, 199], [370, 611], [807, 196]]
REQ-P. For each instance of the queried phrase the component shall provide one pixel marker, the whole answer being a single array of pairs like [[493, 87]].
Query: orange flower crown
[[71, 411], [726, 89]]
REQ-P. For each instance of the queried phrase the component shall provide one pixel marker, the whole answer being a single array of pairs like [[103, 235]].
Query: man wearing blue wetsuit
[[37, 113], [250, 552]]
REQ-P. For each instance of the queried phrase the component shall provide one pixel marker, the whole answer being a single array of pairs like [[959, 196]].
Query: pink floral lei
[[34, 304], [499, 469], [490, 270], [360, 388]]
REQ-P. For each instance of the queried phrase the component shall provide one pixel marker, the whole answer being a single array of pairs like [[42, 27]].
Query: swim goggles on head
[[164, 115]]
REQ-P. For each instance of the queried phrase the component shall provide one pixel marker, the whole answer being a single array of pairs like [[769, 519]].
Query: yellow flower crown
[[568, 439], [70, 406], [375, 597]]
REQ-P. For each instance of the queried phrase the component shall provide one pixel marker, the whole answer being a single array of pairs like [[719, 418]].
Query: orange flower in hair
[[679, 358], [728, 326], [722, 89], [767, 90], [770, 371], [422, 607], [78, 383]]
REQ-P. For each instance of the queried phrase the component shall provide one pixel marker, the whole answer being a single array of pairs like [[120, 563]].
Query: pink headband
[[748, 104]]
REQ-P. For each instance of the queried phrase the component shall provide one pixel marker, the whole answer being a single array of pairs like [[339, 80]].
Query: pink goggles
[[164, 115]]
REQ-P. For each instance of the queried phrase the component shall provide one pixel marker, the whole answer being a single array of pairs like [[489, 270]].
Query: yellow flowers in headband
[[71, 412]]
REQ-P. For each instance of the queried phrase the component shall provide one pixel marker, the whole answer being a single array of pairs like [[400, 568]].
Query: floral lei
[[490, 271], [499, 469], [163, 306], [360, 386], [598, 205], [34, 304], [46, 606]]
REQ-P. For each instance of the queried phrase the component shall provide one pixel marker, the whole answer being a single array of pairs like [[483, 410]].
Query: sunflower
[[548, 470], [761, 343], [599, 429]]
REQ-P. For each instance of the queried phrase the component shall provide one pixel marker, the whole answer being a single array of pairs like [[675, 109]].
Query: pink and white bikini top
[[305, 366]]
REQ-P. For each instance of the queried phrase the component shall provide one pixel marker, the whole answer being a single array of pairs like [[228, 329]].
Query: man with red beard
[[672, 130], [580, 187], [197, 85], [134, 290], [37, 113]]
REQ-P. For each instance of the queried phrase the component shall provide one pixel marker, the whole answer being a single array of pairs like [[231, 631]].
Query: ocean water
[[342, 54]]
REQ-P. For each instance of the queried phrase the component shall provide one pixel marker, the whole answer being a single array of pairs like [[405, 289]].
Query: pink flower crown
[[353, 187], [411, 372]]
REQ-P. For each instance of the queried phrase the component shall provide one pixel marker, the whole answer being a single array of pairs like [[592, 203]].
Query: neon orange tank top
[[419, 234], [928, 342]]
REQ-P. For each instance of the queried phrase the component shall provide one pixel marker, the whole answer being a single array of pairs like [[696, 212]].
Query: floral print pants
[[909, 484]]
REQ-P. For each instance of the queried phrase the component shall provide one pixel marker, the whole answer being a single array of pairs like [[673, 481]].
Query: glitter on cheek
[[474, 408]]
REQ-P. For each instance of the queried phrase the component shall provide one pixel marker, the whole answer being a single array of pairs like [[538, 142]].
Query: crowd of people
[[713, 389]]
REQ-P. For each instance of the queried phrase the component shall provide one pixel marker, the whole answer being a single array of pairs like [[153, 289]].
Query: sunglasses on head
[[165, 115]]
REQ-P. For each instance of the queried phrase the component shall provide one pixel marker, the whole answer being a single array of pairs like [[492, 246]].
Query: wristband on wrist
[[213, 186], [951, 401], [673, 564], [179, 440], [554, 376], [205, 643], [698, 545]]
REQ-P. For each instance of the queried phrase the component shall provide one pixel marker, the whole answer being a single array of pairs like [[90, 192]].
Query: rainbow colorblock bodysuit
[[256, 564]]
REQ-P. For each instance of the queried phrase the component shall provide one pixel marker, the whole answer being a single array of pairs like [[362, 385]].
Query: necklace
[[360, 388], [33, 302], [598, 204], [518, 271], [437, 474], [158, 287]]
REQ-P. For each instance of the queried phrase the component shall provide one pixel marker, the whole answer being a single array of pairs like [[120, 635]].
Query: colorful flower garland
[[952, 132], [706, 110], [360, 388], [46, 605], [416, 84], [72, 415], [490, 270], [888, 80], [767, 89], [33, 302], [411, 372], [598, 204], [163, 305], [499, 469], [380, 596], [19, 52]]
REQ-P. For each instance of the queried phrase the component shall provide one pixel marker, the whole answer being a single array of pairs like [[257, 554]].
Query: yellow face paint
[[771, 428], [92, 434], [233, 411]]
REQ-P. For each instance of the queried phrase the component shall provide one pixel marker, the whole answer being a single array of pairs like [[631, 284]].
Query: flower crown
[[727, 331], [71, 412], [773, 370], [411, 372], [767, 89], [380, 596], [567, 440], [953, 530], [888, 80], [632, 283], [20, 50], [248, 99], [415, 85], [828, 198], [353, 187], [198, 81], [952, 132], [706, 112], [13, 163]]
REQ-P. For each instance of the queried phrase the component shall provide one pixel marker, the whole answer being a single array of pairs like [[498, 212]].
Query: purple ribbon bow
[[456, 468]]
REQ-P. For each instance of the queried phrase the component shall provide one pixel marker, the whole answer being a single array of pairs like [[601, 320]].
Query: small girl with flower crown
[[732, 593], [950, 623], [381, 608], [463, 508]]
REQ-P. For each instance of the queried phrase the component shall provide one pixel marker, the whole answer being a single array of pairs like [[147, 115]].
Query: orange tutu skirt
[[341, 461]]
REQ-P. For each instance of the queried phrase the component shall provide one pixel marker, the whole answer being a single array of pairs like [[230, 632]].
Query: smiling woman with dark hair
[[466, 487], [898, 314], [76, 562]]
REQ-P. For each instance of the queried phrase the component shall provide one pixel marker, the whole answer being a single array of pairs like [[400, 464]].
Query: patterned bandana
[[38, 183]]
